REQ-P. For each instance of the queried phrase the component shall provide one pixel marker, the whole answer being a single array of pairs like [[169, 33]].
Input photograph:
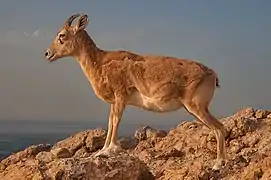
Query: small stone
[[245, 113], [261, 114], [204, 175], [61, 153], [147, 132], [95, 139], [81, 153], [128, 142], [236, 146], [45, 156]]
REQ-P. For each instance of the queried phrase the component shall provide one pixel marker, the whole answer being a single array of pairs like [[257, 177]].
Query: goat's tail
[[217, 82]]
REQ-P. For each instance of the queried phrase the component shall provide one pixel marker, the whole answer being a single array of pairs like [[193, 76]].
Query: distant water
[[15, 142], [18, 135]]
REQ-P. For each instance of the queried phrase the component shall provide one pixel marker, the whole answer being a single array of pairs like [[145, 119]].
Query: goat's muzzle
[[49, 56]]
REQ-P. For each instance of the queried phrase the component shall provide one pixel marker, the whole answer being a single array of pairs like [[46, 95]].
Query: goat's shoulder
[[121, 56]]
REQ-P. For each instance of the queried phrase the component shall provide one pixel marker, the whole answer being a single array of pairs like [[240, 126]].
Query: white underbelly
[[154, 104]]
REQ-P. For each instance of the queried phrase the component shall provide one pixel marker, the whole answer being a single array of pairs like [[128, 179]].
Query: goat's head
[[68, 40]]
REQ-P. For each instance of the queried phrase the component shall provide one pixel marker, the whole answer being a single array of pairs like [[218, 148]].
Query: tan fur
[[154, 83]]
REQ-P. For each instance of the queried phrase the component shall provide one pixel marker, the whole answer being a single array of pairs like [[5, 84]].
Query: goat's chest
[[102, 89], [106, 81]]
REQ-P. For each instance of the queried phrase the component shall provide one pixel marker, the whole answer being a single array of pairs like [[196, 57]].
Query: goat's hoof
[[218, 165], [102, 153], [114, 149], [109, 151]]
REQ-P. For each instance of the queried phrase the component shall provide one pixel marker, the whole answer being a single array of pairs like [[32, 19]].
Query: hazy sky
[[232, 36]]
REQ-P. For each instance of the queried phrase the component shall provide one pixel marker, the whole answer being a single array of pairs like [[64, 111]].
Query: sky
[[232, 37]]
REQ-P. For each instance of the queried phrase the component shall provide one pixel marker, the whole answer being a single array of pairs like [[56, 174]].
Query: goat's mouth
[[51, 58]]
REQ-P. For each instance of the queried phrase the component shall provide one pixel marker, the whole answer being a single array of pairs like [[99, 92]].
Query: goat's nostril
[[46, 54]]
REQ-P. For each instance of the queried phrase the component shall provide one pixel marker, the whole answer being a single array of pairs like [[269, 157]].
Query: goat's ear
[[82, 23]]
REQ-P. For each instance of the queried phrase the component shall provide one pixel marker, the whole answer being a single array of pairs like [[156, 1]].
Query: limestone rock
[[147, 132], [128, 142], [41, 162], [61, 153], [186, 152], [247, 112], [189, 150], [21, 156], [95, 139], [261, 113], [91, 139], [120, 167]]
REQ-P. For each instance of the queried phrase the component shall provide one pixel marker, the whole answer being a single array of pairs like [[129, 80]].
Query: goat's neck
[[90, 58]]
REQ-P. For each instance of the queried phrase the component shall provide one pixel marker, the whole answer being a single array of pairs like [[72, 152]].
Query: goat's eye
[[60, 41], [62, 35]]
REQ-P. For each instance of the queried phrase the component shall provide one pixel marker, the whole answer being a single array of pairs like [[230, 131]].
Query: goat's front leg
[[110, 146], [110, 127], [109, 133], [118, 109]]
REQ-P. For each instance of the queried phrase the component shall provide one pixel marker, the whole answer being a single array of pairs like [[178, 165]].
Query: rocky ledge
[[185, 152]]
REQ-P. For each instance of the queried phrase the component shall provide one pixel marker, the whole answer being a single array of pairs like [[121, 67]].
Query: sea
[[16, 135]]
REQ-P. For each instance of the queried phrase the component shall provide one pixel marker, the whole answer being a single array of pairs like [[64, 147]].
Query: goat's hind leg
[[203, 115], [197, 102]]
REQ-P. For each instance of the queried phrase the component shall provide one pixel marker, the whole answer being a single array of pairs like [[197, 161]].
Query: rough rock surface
[[120, 167], [147, 132], [187, 152], [90, 140], [128, 142], [70, 159]]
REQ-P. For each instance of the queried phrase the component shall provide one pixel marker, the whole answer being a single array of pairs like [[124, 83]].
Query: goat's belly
[[155, 104]]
